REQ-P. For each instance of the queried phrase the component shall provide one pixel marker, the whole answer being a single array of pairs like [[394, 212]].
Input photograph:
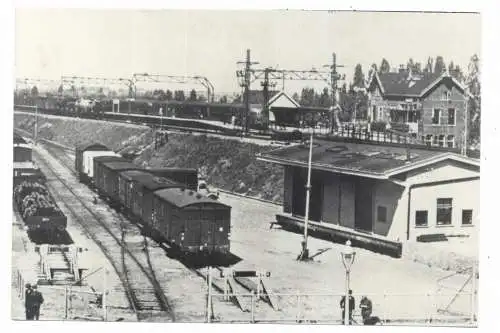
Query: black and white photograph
[[306, 167]]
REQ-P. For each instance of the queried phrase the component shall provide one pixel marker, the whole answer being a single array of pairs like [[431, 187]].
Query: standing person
[[352, 306], [366, 308], [28, 302], [36, 303]]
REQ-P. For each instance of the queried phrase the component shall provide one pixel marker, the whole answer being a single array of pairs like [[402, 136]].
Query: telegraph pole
[[246, 76], [334, 77]]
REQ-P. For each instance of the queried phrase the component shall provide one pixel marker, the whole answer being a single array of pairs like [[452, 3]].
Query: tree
[[223, 99], [296, 97], [179, 95], [359, 77], [34, 91], [192, 95], [324, 99], [385, 67], [343, 89], [307, 97], [451, 68], [168, 95], [60, 89], [439, 66], [410, 64], [429, 67], [474, 85], [372, 71], [417, 68]]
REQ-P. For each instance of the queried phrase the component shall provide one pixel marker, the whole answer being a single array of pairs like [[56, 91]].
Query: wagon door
[[194, 230]]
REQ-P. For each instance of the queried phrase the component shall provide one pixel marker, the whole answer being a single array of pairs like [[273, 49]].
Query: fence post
[[253, 307], [473, 294], [65, 302], [104, 296], [298, 307]]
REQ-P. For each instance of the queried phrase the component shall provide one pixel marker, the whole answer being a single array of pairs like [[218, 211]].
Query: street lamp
[[348, 255]]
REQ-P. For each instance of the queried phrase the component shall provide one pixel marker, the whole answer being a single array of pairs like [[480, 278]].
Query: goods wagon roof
[[120, 165], [183, 198], [92, 146], [150, 181], [103, 159]]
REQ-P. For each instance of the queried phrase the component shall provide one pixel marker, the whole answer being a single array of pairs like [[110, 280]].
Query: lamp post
[[304, 256], [348, 255]]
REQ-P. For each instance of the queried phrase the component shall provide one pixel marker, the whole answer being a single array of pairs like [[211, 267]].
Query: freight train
[[164, 201], [32, 199]]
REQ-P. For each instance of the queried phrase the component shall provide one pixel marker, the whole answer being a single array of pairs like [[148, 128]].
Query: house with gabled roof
[[431, 105], [379, 195]]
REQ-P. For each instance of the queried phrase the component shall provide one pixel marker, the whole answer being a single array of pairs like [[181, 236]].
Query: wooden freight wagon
[[191, 222], [98, 180], [109, 176], [137, 190], [186, 176], [79, 159]]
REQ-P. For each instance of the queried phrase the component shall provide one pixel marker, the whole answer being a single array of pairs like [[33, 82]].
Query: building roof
[[150, 181], [182, 198], [366, 160], [404, 83], [284, 94]]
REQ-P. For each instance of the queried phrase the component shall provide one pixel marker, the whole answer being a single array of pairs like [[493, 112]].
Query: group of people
[[33, 300], [366, 310]]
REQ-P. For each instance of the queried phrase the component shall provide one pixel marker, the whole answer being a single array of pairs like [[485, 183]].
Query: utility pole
[[246, 76], [35, 135], [304, 255], [265, 91], [334, 77]]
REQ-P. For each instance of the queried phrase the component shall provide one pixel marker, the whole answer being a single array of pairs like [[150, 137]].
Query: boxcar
[[79, 158], [109, 175], [186, 176], [97, 179], [190, 221], [140, 188]]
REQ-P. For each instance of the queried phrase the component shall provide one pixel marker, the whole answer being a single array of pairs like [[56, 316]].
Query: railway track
[[129, 258], [131, 236]]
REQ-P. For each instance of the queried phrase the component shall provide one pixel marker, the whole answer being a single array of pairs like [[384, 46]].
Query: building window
[[451, 141], [435, 140], [436, 115], [382, 214], [444, 208], [467, 217], [421, 218], [451, 117], [441, 141], [428, 139], [446, 96]]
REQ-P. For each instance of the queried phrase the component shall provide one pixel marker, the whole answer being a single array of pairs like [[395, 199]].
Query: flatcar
[[191, 222]]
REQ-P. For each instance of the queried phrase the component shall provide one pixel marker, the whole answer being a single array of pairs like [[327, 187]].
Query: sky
[[117, 43]]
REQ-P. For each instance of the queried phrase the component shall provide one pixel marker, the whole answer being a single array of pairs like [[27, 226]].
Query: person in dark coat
[[36, 303], [352, 306], [366, 308], [28, 302]]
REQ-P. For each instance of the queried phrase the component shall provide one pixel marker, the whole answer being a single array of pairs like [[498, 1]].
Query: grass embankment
[[228, 164]]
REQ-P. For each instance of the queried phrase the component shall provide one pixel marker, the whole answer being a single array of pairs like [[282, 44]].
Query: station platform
[[341, 234]]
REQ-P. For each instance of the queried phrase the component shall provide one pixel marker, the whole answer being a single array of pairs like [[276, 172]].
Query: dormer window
[[446, 95]]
